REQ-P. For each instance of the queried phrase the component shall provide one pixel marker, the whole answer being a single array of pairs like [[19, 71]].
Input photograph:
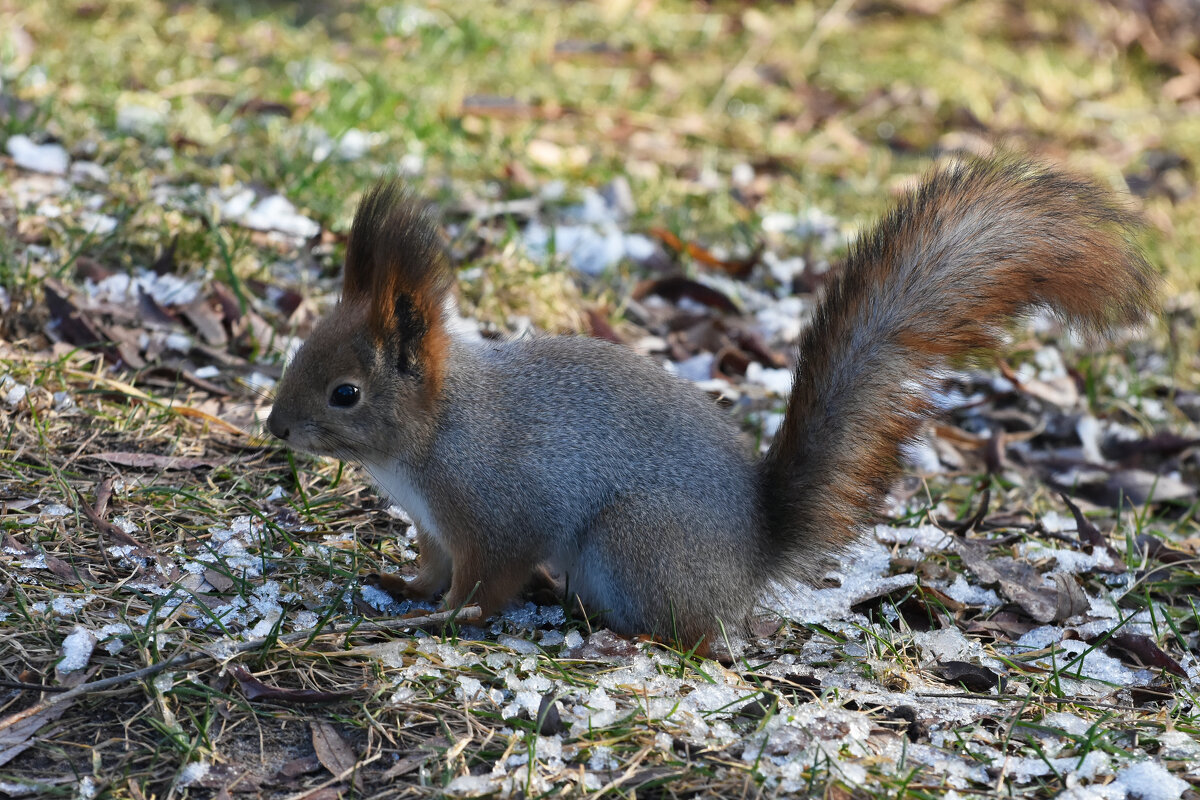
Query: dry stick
[[465, 614]]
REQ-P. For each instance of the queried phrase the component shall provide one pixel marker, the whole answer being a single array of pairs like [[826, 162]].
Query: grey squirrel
[[577, 455]]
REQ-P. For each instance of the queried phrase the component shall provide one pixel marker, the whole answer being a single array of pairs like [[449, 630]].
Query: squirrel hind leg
[[487, 580], [663, 586]]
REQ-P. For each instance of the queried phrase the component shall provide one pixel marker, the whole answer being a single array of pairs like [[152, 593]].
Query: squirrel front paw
[[399, 587]]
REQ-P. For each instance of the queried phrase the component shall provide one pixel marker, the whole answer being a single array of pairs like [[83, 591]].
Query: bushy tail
[[937, 281]]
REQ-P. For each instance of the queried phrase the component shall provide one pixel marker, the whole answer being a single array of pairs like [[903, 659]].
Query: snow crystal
[[777, 381], [15, 393], [276, 213], [471, 785], [811, 222], [1147, 780], [1093, 765], [1095, 664], [54, 510], [89, 170], [697, 368], [49, 158], [351, 146], [572, 639], [193, 772], [97, 224], [112, 632], [1039, 638], [76, 650], [123, 288], [1055, 522], [143, 116], [1175, 745], [1069, 561], [971, 595], [602, 759], [273, 213], [380, 600], [926, 537], [206, 372], [949, 644], [69, 605]]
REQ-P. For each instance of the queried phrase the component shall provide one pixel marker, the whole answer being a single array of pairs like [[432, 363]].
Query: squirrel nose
[[277, 429]]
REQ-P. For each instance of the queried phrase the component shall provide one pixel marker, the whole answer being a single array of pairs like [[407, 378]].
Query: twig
[[467, 614]]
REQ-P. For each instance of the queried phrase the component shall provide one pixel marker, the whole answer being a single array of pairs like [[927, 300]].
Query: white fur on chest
[[397, 481]]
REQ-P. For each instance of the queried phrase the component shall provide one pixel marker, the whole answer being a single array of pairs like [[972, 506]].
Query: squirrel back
[[579, 457], [936, 282]]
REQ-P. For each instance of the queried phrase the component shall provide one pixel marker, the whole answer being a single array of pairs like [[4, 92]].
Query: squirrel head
[[366, 384]]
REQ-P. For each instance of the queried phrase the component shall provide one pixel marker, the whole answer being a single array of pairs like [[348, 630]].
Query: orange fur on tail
[[937, 281]]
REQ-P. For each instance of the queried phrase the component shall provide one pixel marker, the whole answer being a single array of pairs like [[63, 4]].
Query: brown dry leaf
[[738, 268], [254, 689], [300, 766], [207, 320], [405, 766], [333, 751], [972, 677], [676, 287], [1146, 652], [1091, 536], [155, 461], [74, 325], [1071, 600], [218, 580], [1016, 580]]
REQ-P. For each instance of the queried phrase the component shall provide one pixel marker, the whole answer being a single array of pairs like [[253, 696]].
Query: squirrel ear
[[397, 266]]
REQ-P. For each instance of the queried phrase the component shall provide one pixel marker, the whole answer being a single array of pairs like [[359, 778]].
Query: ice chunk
[[49, 158], [77, 650]]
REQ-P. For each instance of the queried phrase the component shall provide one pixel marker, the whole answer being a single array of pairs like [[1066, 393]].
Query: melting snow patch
[[193, 773], [49, 158], [143, 116], [122, 288], [76, 650], [273, 213], [14, 392], [970, 595], [1146, 780], [776, 381]]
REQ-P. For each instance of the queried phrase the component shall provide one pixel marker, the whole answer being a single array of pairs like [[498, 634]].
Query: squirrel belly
[[580, 455]]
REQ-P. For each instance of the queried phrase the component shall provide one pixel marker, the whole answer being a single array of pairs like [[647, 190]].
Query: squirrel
[[577, 456]]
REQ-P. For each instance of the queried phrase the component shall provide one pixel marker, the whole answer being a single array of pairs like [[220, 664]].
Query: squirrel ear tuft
[[397, 266]]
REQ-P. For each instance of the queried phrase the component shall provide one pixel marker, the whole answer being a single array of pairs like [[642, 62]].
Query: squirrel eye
[[344, 395]]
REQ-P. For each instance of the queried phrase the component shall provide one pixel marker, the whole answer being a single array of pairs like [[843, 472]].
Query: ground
[[181, 600]]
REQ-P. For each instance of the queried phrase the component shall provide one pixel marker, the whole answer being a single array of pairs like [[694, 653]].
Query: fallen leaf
[[1016, 580], [254, 689], [1146, 652], [972, 677], [676, 287], [1090, 535], [1071, 600], [333, 751], [738, 268], [549, 722], [155, 461]]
